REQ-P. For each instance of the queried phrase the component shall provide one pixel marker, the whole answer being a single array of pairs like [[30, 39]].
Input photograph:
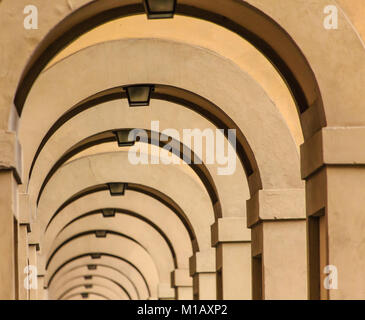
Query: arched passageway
[[97, 226]]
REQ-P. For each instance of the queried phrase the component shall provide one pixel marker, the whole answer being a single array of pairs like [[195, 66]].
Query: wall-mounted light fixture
[[84, 295], [95, 256], [160, 9], [91, 266], [88, 277], [108, 213], [123, 138], [117, 189], [100, 233], [88, 286], [139, 95]]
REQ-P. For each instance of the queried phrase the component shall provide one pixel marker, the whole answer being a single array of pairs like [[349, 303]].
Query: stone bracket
[[230, 229], [181, 278], [34, 236], [36, 246], [257, 240], [322, 149], [202, 262], [10, 154], [25, 211], [29, 228], [283, 204]]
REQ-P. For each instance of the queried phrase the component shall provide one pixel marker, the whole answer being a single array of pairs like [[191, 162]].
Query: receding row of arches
[[97, 226]]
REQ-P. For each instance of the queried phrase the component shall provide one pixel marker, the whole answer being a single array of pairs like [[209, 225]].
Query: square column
[[7, 243], [333, 165], [165, 292], [183, 284], [10, 173], [23, 252], [33, 274], [34, 244], [23, 256], [277, 220], [202, 269], [41, 294], [232, 240]]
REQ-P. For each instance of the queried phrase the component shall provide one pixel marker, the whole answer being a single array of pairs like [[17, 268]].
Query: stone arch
[[279, 49], [97, 195], [91, 295], [97, 284], [133, 295], [201, 220], [325, 171], [152, 241], [142, 264], [105, 263], [291, 180], [179, 150], [227, 72]]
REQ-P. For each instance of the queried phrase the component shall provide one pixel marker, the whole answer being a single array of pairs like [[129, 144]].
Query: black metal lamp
[[88, 286], [91, 266], [88, 277], [108, 213], [123, 138], [117, 189], [160, 9], [95, 256], [84, 295], [100, 233], [139, 95]]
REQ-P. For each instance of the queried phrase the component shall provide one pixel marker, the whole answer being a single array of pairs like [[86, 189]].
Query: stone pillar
[[25, 219], [34, 247], [23, 256], [165, 292], [202, 269], [183, 284], [46, 293], [333, 166], [277, 220], [33, 277], [10, 177], [232, 240], [41, 292]]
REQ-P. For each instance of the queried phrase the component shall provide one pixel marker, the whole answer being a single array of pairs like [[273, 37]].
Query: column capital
[[25, 211], [10, 154], [41, 266], [281, 204], [36, 245], [181, 278], [203, 262], [230, 229], [34, 236], [322, 149]]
